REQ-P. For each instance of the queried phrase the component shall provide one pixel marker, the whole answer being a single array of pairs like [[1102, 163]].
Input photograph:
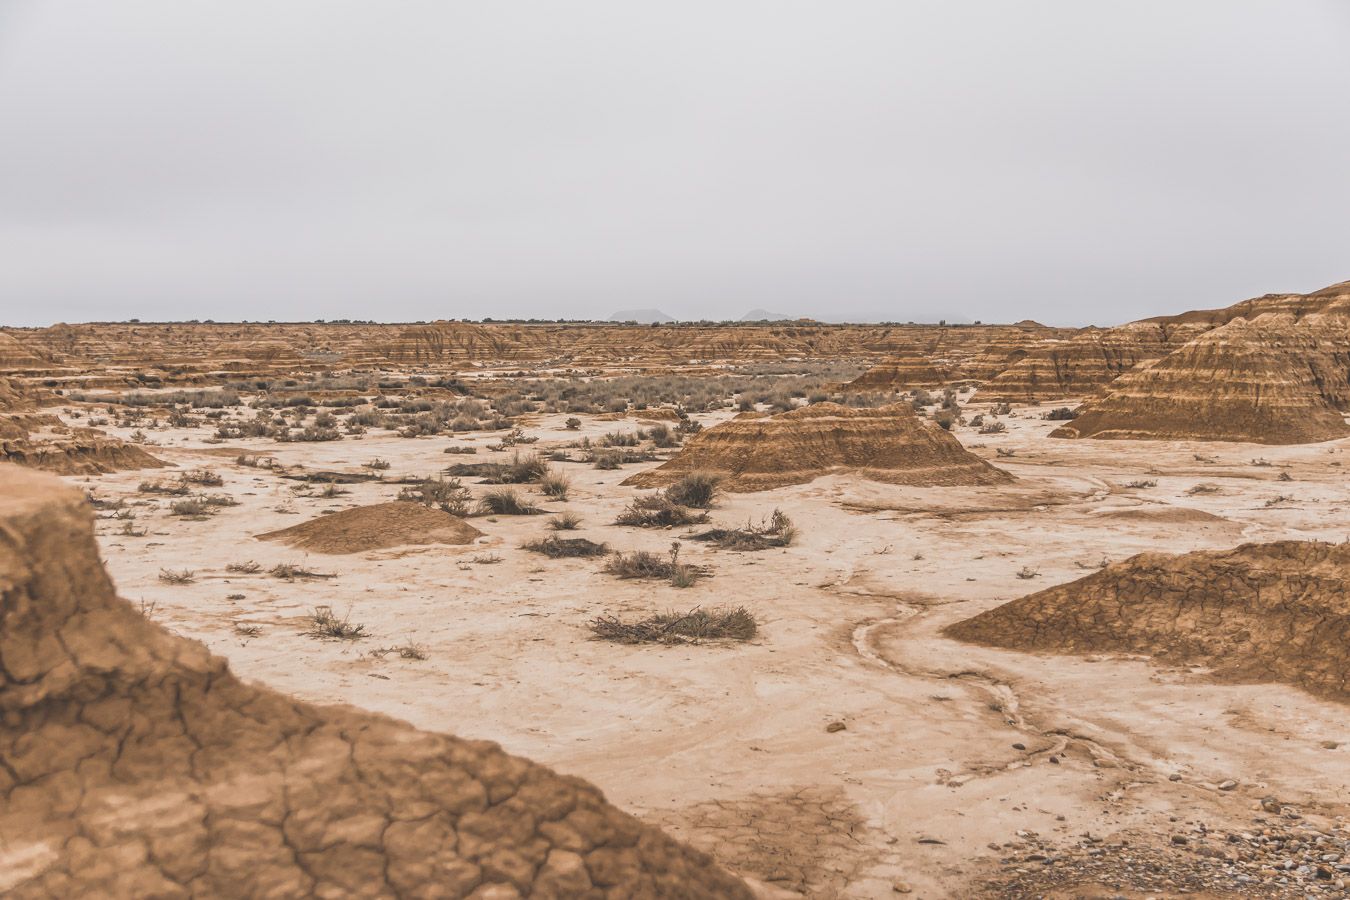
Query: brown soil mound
[[889, 444], [376, 527], [1274, 379], [12, 397], [134, 764], [1261, 612]]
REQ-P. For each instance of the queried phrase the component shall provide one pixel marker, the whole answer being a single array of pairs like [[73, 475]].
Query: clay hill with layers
[[1278, 375], [1261, 612], [888, 444], [134, 764], [31, 438]]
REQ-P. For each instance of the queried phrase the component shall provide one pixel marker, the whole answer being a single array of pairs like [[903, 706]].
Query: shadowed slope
[[1261, 612], [134, 764]]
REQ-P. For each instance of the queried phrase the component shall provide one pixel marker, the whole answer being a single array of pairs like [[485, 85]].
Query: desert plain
[[1133, 729]]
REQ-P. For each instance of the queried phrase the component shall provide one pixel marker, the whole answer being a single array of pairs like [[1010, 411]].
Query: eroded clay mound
[[12, 397], [1261, 612], [44, 442], [134, 764], [376, 527], [1274, 379], [889, 444]]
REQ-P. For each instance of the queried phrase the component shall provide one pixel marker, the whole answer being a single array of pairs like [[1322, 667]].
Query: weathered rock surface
[[1261, 612], [134, 764], [889, 444], [1277, 378]]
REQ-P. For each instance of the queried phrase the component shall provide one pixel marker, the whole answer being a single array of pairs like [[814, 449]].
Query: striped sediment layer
[[1275, 379], [888, 444]]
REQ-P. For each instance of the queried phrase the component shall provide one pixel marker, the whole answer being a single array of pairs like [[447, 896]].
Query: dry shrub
[[183, 576], [697, 490], [324, 623], [448, 495], [658, 511], [555, 487], [736, 624], [648, 565], [290, 572], [776, 531], [555, 547], [244, 568], [160, 487], [204, 477]]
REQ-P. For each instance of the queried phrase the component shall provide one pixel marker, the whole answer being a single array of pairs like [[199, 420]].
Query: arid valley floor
[[850, 747]]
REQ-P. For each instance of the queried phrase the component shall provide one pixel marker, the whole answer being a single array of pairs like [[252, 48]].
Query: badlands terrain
[[763, 610]]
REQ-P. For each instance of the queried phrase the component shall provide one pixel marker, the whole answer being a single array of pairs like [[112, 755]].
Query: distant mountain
[[643, 316], [763, 315]]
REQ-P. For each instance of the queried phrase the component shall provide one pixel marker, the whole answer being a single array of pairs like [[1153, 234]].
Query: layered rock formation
[[1261, 612], [134, 764], [1278, 378], [889, 444], [905, 372]]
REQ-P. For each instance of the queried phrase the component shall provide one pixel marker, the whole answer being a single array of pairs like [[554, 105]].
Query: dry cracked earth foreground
[[134, 764]]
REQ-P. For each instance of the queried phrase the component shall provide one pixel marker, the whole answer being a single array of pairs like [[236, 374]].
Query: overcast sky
[[1067, 161]]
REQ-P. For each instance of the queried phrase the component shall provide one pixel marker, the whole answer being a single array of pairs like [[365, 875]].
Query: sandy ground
[[925, 787]]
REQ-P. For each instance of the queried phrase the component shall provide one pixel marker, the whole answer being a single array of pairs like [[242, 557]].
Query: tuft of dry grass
[[565, 522], [410, 650], [697, 490], [182, 576], [506, 502], [692, 627], [244, 568], [648, 565]]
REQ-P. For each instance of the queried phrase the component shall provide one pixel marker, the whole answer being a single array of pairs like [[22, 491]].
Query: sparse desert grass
[[130, 530], [694, 626], [658, 511], [506, 502], [1061, 414], [555, 487], [775, 531], [1203, 488], [244, 568], [180, 576], [376, 465], [192, 508], [486, 559], [555, 547], [1027, 573], [697, 490], [332, 490], [202, 477], [324, 623], [993, 428], [246, 629], [565, 522], [608, 461], [1141, 483]]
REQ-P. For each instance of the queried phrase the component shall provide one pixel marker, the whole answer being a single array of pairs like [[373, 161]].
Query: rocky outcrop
[[44, 442], [1273, 379], [889, 444], [1262, 612], [134, 764], [906, 372]]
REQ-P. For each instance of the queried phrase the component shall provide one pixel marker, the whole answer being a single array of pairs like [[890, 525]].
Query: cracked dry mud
[[134, 764]]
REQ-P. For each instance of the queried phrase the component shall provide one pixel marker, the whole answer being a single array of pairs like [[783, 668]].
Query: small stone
[[1019, 746], [1180, 839], [1227, 785], [902, 887], [835, 726], [1330, 745], [1175, 776]]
